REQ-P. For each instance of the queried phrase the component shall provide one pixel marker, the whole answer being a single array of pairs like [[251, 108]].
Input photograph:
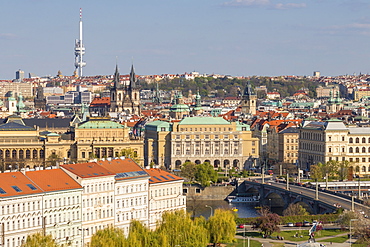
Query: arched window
[[364, 169], [351, 140], [363, 140], [357, 169], [351, 149], [357, 149], [14, 154], [363, 149], [357, 140]]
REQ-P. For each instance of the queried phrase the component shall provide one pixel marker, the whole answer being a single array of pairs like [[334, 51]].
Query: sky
[[228, 37]]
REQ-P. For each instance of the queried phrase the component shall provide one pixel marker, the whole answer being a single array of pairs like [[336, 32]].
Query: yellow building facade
[[332, 140], [24, 146], [200, 139]]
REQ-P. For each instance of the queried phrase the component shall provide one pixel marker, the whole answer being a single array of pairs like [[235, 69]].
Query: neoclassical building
[[200, 139], [22, 145], [102, 138], [25, 146], [332, 140]]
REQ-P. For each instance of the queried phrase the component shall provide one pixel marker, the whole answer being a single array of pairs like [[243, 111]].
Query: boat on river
[[241, 199]]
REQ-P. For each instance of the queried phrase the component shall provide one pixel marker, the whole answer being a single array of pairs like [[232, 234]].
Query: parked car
[[306, 223], [241, 226], [290, 224], [298, 224]]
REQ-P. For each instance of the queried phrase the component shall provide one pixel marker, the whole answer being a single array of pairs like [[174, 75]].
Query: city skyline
[[231, 37]]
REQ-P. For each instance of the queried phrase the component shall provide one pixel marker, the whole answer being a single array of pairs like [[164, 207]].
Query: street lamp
[[350, 231], [270, 203], [211, 209], [83, 235]]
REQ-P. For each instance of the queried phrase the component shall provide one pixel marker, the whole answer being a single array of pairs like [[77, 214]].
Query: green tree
[[182, 231], [39, 240], [316, 172], [188, 171], [109, 237], [130, 153], [295, 209], [222, 226], [343, 170], [205, 174]]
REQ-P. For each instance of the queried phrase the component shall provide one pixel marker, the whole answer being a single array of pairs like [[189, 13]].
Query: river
[[198, 208]]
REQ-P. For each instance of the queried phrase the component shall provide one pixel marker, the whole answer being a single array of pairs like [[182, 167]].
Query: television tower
[[79, 50]]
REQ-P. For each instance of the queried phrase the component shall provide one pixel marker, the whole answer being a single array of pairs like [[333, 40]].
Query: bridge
[[276, 195]]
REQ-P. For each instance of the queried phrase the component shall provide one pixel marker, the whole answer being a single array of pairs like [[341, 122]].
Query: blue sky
[[233, 37]]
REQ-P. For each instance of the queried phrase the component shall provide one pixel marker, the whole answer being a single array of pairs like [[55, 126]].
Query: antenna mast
[[79, 50]]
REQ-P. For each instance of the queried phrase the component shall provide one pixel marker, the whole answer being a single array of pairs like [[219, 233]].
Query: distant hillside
[[224, 87]]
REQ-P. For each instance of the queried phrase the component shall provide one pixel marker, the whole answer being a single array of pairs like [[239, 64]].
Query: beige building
[[200, 139], [103, 138], [25, 146], [359, 93], [18, 88], [332, 140], [328, 91]]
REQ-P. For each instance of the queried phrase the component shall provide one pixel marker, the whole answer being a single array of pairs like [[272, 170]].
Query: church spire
[[132, 78], [116, 78]]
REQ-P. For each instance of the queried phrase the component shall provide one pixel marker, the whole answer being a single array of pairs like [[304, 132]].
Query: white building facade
[[165, 194]]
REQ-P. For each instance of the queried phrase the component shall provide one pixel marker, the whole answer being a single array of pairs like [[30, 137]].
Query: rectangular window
[[83, 155], [16, 188], [31, 186]]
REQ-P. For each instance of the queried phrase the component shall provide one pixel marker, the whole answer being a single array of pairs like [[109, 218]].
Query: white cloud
[[289, 5], [247, 3], [264, 3]]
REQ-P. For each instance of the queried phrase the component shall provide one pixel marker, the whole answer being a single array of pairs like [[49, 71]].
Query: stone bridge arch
[[274, 199], [305, 205]]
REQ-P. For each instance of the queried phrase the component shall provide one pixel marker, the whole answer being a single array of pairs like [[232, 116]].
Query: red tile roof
[[53, 180], [123, 168], [20, 181], [87, 170], [160, 176]]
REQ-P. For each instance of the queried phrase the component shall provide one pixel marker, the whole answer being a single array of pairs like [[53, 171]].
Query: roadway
[[323, 196]]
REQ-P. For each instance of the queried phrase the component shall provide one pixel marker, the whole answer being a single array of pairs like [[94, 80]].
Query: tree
[[295, 209], [54, 158], [343, 170], [130, 153], [39, 240], [188, 171], [109, 237], [316, 172], [205, 174], [222, 226], [182, 231], [268, 224]]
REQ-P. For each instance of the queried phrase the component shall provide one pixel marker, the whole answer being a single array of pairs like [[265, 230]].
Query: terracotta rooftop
[[160, 176], [53, 180], [15, 184], [87, 170], [123, 168]]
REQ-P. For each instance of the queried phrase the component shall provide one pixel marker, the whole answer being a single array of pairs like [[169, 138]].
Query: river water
[[198, 208]]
